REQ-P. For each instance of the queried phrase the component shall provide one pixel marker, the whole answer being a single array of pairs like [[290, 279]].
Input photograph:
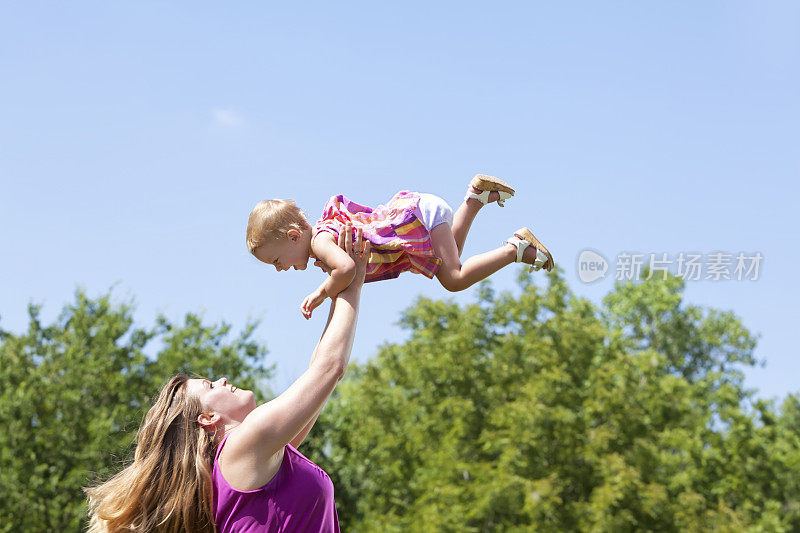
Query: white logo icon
[[591, 266]]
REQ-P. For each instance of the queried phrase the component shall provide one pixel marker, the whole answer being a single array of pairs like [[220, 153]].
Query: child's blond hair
[[272, 219]]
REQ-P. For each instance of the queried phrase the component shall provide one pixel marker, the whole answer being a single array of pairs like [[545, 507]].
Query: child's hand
[[311, 302]]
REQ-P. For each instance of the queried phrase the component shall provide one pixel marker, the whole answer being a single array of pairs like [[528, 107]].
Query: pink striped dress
[[400, 242]]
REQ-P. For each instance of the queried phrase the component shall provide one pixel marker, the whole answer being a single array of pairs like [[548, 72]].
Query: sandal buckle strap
[[520, 245], [483, 197]]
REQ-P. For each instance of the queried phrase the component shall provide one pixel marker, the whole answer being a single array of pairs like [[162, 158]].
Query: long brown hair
[[167, 487]]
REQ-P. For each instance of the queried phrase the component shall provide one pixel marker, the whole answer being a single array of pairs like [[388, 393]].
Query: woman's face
[[222, 398]]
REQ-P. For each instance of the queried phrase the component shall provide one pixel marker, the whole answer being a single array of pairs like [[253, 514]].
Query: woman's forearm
[[344, 358], [333, 349]]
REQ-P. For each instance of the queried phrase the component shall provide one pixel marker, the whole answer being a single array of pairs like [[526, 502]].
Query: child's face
[[292, 251]]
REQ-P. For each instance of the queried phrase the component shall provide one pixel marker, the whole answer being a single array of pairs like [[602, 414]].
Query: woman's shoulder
[[243, 469]]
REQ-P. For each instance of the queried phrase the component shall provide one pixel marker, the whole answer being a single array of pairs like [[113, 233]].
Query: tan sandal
[[487, 184], [523, 238]]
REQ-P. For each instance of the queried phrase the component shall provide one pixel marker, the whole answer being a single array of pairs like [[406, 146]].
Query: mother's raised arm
[[289, 417]]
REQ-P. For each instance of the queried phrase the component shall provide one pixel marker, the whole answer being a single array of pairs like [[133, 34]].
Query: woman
[[208, 459]]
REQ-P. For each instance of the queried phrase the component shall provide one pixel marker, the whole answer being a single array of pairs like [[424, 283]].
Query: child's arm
[[342, 266]]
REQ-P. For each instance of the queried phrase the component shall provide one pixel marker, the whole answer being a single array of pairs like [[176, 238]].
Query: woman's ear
[[208, 420]]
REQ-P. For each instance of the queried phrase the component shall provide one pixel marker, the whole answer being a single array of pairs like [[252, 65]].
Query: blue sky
[[135, 138]]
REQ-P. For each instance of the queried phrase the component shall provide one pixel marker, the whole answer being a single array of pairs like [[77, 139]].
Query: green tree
[[72, 394], [543, 412]]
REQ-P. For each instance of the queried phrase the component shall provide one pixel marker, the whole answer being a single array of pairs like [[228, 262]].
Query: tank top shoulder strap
[[219, 447]]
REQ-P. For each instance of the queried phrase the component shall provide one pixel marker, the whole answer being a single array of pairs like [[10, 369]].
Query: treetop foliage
[[74, 392], [542, 412], [531, 411]]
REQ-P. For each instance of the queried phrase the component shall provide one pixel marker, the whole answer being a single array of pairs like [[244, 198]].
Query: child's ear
[[294, 235]]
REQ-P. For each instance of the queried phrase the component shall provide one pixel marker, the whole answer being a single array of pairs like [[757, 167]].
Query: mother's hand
[[358, 251]]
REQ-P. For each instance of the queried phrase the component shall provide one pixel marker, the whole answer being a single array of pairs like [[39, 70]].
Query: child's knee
[[451, 283]]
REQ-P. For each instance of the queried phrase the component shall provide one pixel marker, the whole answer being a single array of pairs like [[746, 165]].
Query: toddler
[[415, 232]]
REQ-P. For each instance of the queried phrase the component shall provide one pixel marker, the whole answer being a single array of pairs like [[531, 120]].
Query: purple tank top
[[298, 498]]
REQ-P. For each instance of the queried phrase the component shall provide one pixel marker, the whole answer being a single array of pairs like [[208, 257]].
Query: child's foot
[[487, 189], [531, 251]]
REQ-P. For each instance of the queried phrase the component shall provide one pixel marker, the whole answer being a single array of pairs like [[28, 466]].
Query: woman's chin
[[251, 397]]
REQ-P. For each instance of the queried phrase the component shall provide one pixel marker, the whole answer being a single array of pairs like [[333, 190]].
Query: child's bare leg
[[480, 185], [455, 276], [464, 215]]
